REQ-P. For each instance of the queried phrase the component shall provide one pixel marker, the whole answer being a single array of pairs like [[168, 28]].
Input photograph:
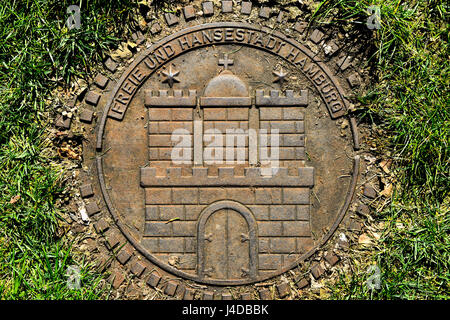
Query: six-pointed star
[[281, 76], [171, 76]]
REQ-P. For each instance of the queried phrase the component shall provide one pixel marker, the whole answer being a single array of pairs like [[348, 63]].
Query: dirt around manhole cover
[[216, 156]]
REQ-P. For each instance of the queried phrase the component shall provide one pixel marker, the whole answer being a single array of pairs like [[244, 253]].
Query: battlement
[[226, 177], [225, 101], [177, 98], [274, 99]]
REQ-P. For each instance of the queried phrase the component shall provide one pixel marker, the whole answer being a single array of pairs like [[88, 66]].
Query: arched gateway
[[227, 241], [253, 216]]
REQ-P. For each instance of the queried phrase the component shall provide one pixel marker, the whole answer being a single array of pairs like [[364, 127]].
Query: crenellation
[[275, 99], [252, 172], [173, 172], [199, 172], [226, 172], [253, 176], [175, 98]]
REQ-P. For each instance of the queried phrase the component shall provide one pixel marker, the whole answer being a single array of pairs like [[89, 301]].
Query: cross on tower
[[225, 61]]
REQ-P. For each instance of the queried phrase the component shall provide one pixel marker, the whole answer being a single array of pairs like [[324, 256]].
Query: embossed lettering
[[218, 35], [292, 55], [207, 36], [184, 43], [280, 46], [336, 107], [301, 62], [240, 35], [327, 86], [311, 70], [229, 34], [128, 87], [319, 79], [259, 40], [118, 108], [168, 50], [160, 55], [271, 42], [137, 74], [331, 97], [150, 63], [196, 40], [250, 34]]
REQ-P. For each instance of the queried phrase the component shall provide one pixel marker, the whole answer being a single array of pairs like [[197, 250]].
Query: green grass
[[37, 55], [410, 100]]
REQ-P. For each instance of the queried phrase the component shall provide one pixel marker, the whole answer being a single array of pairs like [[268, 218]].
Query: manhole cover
[[217, 154]]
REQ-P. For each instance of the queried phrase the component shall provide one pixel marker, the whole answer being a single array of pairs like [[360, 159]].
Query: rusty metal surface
[[225, 223]]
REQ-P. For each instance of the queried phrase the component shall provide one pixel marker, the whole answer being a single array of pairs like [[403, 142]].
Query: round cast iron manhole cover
[[218, 157]]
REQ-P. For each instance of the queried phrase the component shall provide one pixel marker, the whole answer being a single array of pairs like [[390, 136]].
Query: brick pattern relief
[[175, 198], [223, 119], [282, 215], [162, 122], [289, 121]]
